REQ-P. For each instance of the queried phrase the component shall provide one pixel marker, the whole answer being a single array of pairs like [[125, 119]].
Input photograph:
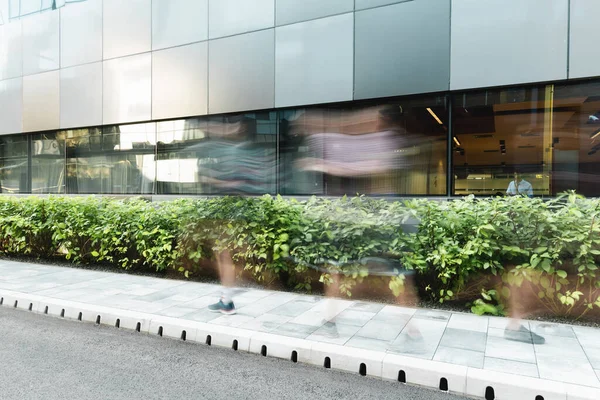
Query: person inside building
[[519, 186]]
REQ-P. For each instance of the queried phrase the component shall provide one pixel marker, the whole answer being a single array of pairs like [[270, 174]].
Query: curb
[[446, 377]]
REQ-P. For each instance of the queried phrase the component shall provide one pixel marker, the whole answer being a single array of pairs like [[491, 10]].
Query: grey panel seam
[[569, 39], [241, 33], [354, 53], [383, 5], [316, 19], [450, 44], [102, 61], [207, 58], [275, 54]]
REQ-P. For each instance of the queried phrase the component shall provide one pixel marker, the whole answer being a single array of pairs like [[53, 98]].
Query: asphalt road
[[48, 358]]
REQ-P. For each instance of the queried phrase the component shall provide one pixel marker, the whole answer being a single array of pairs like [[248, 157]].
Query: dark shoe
[[523, 335], [223, 308], [330, 330]]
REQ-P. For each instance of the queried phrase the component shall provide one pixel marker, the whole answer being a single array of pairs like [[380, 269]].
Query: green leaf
[[561, 273]]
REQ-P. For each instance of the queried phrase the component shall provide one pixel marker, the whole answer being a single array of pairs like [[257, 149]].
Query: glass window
[[392, 148], [13, 164], [502, 141], [48, 163], [112, 160], [233, 154], [576, 138]]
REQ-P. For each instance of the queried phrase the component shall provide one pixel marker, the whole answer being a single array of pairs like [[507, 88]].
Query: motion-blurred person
[[227, 275], [522, 303], [360, 150], [233, 163]]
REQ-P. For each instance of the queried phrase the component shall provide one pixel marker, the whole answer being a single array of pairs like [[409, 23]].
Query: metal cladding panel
[[291, 11], [180, 81], [506, 42], [41, 102], [11, 105], [127, 89], [177, 22], [242, 72], [314, 61], [402, 49], [81, 96], [231, 17], [584, 61], [41, 43], [127, 27], [81, 33], [11, 51]]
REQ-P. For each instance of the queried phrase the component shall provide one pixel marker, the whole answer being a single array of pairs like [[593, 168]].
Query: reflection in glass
[[47, 163], [387, 149], [233, 154], [113, 160], [502, 141], [576, 139], [13, 164]]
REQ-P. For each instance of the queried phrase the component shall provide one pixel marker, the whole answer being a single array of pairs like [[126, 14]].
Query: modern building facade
[[299, 97]]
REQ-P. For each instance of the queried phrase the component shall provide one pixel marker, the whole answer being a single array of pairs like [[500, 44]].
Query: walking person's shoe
[[522, 334], [224, 308]]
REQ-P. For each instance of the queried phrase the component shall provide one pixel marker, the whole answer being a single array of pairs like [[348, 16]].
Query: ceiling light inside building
[[439, 121], [456, 141]]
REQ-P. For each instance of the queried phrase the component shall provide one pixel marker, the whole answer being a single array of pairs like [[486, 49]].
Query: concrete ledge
[[436, 375], [425, 372], [509, 386]]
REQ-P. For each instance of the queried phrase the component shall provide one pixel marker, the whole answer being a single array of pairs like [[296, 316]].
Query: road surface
[[48, 358]]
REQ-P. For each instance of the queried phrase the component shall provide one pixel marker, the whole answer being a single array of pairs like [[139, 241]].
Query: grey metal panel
[[402, 49], [11, 51], [180, 81], [230, 17], [41, 42], [314, 61], [81, 96], [127, 89], [584, 59], [242, 72], [81, 33], [362, 4], [127, 27], [41, 102], [502, 42], [290, 11], [177, 22], [11, 105]]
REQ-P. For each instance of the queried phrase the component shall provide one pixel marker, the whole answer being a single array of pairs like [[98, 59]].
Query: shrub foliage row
[[480, 251]]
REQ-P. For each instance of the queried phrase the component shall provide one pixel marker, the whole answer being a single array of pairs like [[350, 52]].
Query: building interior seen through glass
[[536, 141], [539, 140]]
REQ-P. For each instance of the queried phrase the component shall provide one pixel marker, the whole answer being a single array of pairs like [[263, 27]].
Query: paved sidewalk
[[571, 354]]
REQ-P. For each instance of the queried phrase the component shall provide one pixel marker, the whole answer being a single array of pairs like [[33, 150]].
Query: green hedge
[[470, 250]]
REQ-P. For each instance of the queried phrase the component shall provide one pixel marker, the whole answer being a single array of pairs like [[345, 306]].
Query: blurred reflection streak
[[365, 143], [225, 157]]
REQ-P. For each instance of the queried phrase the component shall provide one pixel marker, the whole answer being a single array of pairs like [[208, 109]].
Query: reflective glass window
[[13, 164], [47, 163], [116, 159], [575, 148], [232, 154], [392, 148], [503, 141]]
